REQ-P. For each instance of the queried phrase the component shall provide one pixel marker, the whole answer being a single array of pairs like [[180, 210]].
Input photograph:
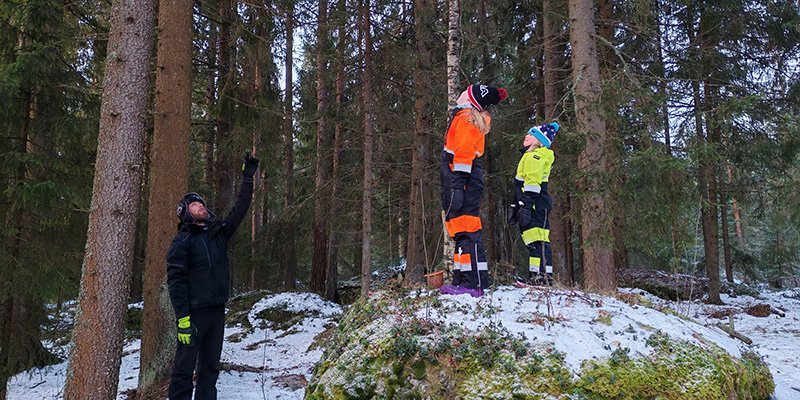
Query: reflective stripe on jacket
[[465, 138], [533, 170], [461, 168]]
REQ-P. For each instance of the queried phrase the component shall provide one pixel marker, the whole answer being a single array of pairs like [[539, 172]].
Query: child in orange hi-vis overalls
[[534, 203], [462, 186]]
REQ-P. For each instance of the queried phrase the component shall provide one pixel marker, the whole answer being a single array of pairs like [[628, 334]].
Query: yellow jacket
[[534, 169]]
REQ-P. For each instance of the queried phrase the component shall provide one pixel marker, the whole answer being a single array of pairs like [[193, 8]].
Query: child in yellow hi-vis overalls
[[534, 203]]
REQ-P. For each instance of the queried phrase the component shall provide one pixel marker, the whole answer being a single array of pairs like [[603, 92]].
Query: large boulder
[[515, 344]]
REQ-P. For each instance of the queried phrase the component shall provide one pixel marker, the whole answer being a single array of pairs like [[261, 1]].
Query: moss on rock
[[384, 349], [676, 369]]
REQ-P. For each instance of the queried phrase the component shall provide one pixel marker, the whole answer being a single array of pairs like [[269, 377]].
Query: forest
[[679, 148]]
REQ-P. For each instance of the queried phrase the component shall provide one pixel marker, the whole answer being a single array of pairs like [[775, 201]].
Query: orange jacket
[[465, 138]]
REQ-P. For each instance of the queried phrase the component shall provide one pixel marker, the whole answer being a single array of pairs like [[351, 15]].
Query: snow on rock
[[613, 347], [583, 326]]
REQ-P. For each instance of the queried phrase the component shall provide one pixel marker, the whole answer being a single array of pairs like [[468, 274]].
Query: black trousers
[[470, 268], [204, 352]]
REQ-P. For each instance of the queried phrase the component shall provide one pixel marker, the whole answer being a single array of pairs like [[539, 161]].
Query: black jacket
[[197, 261]]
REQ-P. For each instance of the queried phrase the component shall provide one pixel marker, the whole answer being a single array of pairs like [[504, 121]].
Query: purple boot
[[455, 290]]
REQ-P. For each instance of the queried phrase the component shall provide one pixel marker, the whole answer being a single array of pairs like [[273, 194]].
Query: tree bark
[[169, 166], [21, 316], [424, 18], [332, 275], [322, 200], [710, 195], [736, 217], [93, 370], [707, 176], [257, 216], [662, 84], [726, 244], [367, 98], [289, 272], [223, 166], [453, 91], [559, 227], [210, 99], [596, 218]]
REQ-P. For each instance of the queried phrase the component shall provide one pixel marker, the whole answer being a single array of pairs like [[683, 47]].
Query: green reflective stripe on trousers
[[536, 235], [533, 263]]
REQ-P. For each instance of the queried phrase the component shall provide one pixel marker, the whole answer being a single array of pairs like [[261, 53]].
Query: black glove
[[513, 213], [525, 213], [456, 199], [249, 166]]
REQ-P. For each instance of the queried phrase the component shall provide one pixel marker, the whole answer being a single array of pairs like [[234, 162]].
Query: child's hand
[[524, 215]]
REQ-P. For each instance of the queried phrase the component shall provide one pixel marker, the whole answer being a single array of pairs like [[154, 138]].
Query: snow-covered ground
[[270, 364], [266, 364]]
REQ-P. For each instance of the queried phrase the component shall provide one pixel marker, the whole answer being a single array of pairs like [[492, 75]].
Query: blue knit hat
[[545, 133]]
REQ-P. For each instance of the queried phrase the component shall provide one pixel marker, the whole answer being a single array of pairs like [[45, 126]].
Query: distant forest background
[[679, 148]]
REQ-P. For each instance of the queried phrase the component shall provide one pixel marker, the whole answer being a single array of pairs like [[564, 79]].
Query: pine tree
[[367, 98], [322, 200], [169, 163], [98, 334], [599, 268], [424, 14]]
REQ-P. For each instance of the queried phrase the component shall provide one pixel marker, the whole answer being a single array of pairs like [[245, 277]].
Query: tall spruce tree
[[169, 164], [98, 334], [596, 218]]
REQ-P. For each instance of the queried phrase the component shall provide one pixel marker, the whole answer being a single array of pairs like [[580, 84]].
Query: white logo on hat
[[484, 90]]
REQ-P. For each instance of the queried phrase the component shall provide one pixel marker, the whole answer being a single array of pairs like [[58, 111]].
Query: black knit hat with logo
[[483, 96]]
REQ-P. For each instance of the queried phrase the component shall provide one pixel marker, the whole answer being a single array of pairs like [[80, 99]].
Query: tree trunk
[[424, 18], [259, 180], [211, 99], [20, 315], [726, 243], [453, 91], [169, 166], [570, 254], [662, 85], [366, 217], [596, 218], [289, 272], [559, 228], [736, 217], [707, 176], [93, 370], [332, 275], [608, 67], [223, 166], [322, 200], [710, 196]]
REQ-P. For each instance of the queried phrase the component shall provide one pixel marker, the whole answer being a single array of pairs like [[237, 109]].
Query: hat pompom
[[545, 133], [503, 93]]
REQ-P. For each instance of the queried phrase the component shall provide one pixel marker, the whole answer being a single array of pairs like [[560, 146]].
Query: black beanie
[[183, 206], [482, 96]]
